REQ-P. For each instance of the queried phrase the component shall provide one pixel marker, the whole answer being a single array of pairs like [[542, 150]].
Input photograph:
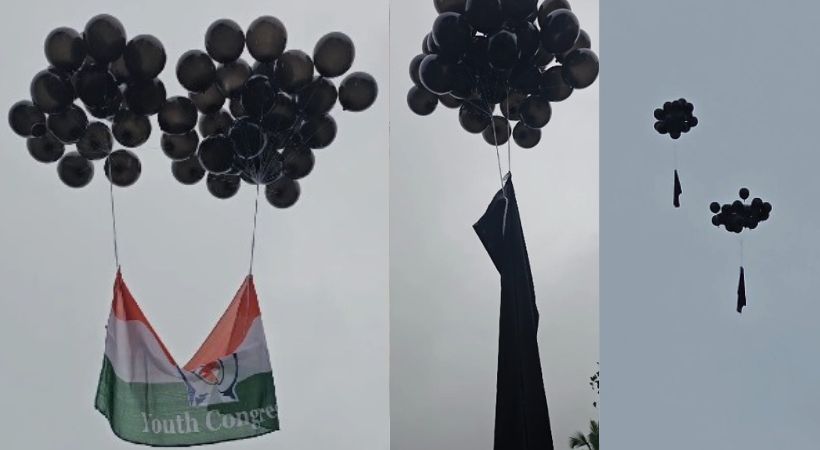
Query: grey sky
[[680, 366], [444, 288], [321, 267]]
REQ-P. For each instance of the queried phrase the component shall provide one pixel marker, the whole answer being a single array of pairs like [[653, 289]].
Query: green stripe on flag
[[159, 414]]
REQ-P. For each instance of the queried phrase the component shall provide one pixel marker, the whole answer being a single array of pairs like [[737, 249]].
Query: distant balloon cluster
[[278, 110], [484, 53], [737, 215], [115, 80], [675, 118]]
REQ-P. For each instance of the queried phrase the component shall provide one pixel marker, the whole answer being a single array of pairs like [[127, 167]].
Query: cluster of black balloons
[[278, 110], [114, 79], [675, 118], [483, 53], [737, 215]]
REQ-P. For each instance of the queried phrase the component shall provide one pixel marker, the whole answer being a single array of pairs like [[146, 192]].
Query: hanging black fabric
[[521, 414], [741, 292], [678, 191]]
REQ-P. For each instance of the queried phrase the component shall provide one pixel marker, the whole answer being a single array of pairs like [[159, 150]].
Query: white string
[[253, 234], [114, 223]]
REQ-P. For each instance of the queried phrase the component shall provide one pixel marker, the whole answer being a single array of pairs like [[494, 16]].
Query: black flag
[[741, 292], [678, 191], [521, 415]]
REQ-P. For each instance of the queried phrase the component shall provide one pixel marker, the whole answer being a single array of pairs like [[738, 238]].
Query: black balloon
[[96, 86], [266, 38], [333, 54], [179, 146], [96, 142], [65, 48], [145, 96], [196, 71], [68, 126], [443, 6], [298, 162], [104, 38], [498, 132], [231, 77], [122, 168], [293, 71], [473, 118], [714, 207], [224, 41], [358, 91], [247, 138], [553, 86], [535, 111], [217, 123], [46, 148], [415, 63], [74, 170], [208, 101], [283, 192], [435, 73], [559, 31], [452, 34], [421, 101], [548, 6], [318, 97], [51, 92], [27, 120], [580, 68], [528, 40], [484, 15], [144, 56], [131, 129], [525, 136], [216, 153], [282, 116], [318, 131], [257, 96], [109, 108], [502, 50], [222, 186], [744, 193], [188, 171], [177, 115]]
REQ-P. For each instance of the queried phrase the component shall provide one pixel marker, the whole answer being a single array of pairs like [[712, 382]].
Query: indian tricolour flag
[[225, 392]]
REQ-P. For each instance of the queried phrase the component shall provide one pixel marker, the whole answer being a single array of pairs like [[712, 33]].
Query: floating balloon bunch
[[483, 53], [737, 215], [115, 81], [278, 109], [675, 118]]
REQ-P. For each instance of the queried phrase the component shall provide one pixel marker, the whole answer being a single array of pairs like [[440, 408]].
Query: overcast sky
[[682, 370], [444, 288], [321, 266]]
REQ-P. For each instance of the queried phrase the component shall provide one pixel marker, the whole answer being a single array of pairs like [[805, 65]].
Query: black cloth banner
[[741, 292], [521, 414], [678, 191]]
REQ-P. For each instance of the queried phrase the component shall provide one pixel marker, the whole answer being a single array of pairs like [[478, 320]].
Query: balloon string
[[741, 250], [509, 157], [114, 223], [253, 234]]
